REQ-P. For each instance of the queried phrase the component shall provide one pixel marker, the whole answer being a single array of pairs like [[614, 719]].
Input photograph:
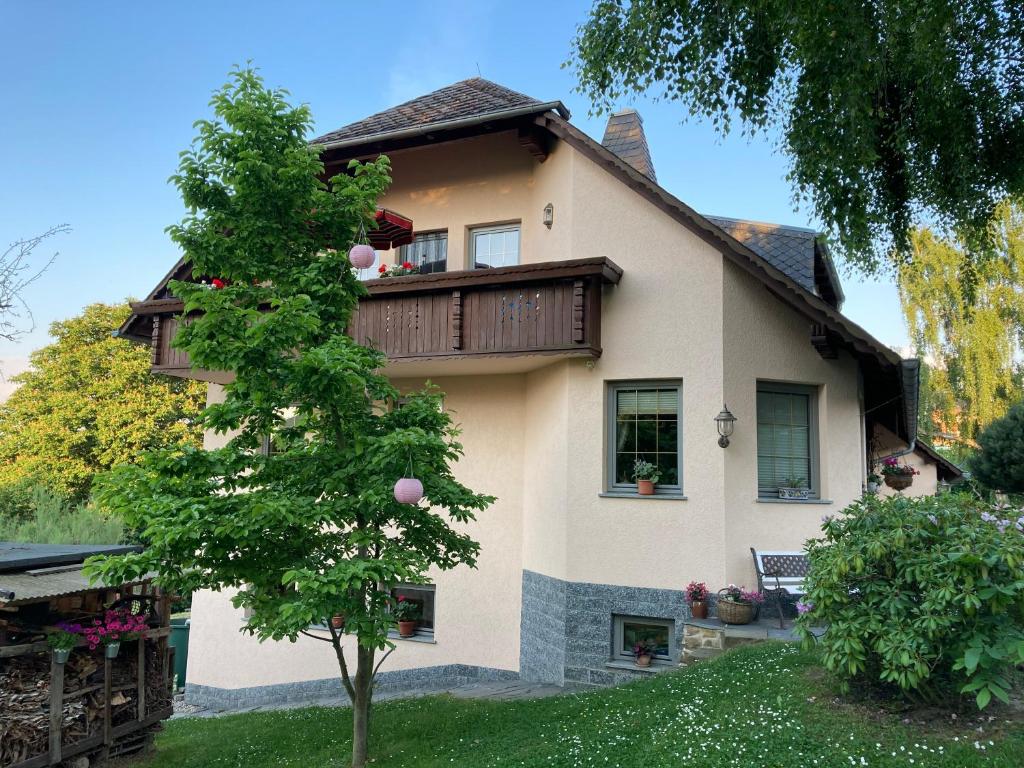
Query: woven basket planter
[[735, 613], [899, 482]]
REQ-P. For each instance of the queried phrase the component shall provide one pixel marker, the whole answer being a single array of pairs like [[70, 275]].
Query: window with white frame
[[787, 438], [644, 424], [422, 595], [657, 635], [494, 246], [428, 252]]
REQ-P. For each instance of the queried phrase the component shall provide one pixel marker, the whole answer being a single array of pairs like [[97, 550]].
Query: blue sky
[[101, 97]]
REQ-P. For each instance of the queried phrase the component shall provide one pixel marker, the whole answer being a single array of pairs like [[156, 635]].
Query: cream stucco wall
[[476, 611], [536, 439], [766, 340]]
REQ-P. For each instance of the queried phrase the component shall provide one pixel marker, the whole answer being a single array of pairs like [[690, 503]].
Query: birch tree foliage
[[886, 110], [966, 317]]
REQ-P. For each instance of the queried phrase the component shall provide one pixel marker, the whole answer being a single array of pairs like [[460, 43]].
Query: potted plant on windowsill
[[63, 640], [873, 483], [643, 653], [697, 596], [646, 476], [898, 476], [794, 488], [736, 605], [407, 614]]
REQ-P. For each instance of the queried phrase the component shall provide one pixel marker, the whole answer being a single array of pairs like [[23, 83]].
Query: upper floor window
[[494, 246], [643, 424], [787, 438], [428, 251]]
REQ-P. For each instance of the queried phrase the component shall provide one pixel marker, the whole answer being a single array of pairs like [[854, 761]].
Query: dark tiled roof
[[465, 99], [624, 135], [17, 556], [790, 249]]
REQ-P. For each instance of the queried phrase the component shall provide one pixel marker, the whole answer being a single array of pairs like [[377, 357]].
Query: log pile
[[25, 698], [25, 709]]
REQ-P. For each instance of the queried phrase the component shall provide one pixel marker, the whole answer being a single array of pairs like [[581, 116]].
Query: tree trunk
[[362, 684]]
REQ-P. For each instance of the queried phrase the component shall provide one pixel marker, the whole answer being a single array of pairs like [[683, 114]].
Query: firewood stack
[[25, 699], [25, 709]]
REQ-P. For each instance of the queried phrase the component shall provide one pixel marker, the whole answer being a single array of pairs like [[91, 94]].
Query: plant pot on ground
[[697, 597], [646, 476], [407, 613], [736, 605]]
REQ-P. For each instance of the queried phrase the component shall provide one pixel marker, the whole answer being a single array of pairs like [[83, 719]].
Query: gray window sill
[[628, 495], [429, 639], [770, 500], [655, 668]]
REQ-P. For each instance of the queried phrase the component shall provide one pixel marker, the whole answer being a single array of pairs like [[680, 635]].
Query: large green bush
[[924, 596], [999, 462]]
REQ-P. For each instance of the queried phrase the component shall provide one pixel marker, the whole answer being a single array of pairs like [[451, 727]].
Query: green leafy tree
[[88, 403], [967, 318], [999, 464], [311, 529], [921, 596], [883, 108]]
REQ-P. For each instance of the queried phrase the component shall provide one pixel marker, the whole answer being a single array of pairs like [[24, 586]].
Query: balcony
[[502, 320]]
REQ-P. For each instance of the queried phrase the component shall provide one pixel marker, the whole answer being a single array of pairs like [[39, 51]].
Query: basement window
[[658, 633]]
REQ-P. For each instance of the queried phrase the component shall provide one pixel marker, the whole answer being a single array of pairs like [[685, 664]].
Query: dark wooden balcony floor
[[551, 308]]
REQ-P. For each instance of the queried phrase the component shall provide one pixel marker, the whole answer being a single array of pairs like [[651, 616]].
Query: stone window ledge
[[656, 667], [770, 500], [429, 639], [627, 495]]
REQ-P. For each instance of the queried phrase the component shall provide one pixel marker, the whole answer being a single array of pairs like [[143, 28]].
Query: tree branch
[[340, 653], [315, 637]]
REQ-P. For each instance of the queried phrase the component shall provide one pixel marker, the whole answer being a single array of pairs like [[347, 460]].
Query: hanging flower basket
[[899, 482]]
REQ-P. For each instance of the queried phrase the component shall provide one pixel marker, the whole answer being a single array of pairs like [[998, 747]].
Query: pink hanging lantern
[[408, 490], [362, 256]]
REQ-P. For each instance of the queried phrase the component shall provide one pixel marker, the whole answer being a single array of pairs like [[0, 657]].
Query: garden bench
[[780, 574]]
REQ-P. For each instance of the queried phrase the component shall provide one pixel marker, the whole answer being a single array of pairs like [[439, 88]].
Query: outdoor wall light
[[725, 422], [549, 215]]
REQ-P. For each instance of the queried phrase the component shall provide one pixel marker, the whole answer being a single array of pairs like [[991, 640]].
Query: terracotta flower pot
[[645, 487], [699, 609], [643, 660], [338, 621], [407, 628], [899, 482]]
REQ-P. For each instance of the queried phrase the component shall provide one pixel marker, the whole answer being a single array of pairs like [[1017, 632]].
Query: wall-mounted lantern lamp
[[725, 421], [549, 215]]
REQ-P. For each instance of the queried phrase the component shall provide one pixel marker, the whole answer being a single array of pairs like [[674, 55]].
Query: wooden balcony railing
[[552, 308]]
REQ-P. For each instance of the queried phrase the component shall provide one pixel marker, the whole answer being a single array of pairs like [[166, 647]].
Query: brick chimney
[[624, 135]]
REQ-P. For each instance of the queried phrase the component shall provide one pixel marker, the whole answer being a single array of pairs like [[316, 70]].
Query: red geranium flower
[[218, 283], [382, 268], [407, 265]]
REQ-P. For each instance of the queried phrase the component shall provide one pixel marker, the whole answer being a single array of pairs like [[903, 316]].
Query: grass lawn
[[758, 706]]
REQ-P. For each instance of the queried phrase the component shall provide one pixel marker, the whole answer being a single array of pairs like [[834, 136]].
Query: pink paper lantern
[[362, 256], [408, 490]]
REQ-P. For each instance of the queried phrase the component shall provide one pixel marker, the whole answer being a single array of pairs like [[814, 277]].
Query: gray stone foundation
[[330, 691], [566, 631]]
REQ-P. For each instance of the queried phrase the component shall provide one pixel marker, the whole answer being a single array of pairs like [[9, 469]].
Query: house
[[578, 316]]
